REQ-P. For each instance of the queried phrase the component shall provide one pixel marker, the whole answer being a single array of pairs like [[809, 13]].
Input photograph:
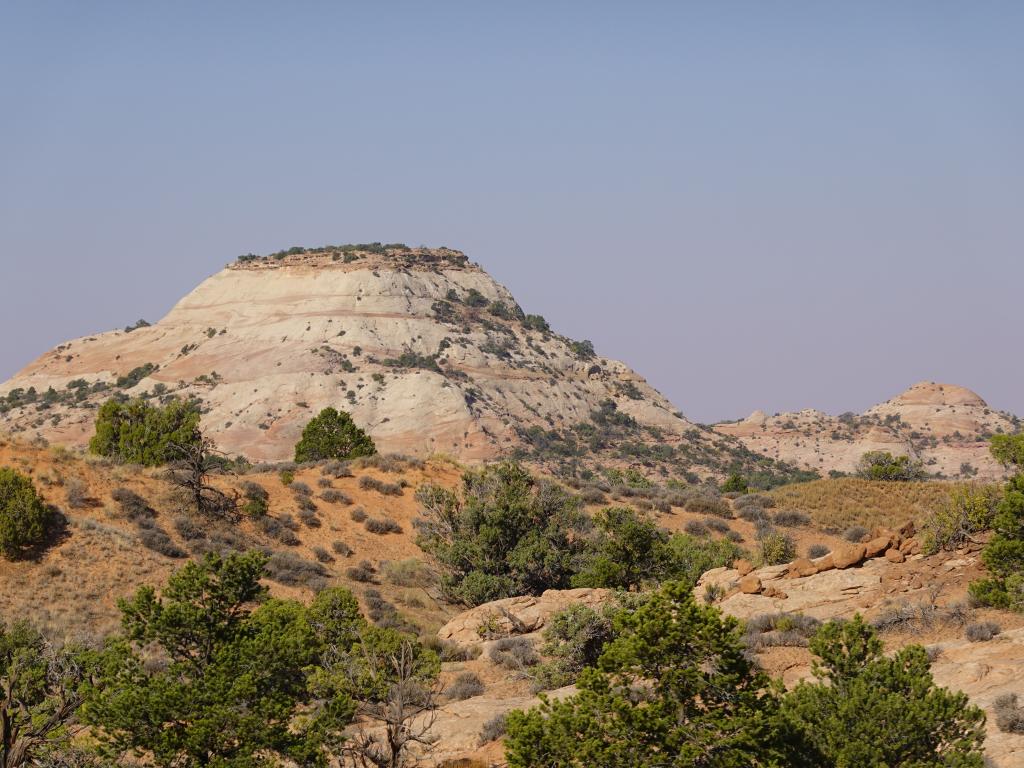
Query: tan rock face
[[423, 348], [956, 419]]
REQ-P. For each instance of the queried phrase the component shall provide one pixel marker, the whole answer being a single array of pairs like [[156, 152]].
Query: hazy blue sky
[[760, 204]]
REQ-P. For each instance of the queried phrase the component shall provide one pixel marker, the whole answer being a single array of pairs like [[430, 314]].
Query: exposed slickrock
[[943, 425], [981, 670]]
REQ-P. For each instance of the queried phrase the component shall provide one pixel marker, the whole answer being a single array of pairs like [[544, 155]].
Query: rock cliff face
[[943, 425], [423, 347]]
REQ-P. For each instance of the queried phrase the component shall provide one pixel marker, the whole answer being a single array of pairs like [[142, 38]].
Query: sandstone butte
[[426, 351]]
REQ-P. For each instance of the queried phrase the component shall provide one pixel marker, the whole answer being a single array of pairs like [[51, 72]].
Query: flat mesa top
[[362, 256]]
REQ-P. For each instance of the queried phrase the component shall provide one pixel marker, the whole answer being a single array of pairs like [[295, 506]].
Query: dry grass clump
[[514, 653], [76, 492], [358, 514], [855, 533], [695, 528], [277, 530], [835, 503], [364, 572], [921, 615], [290, 569], [815, 551], [334, 496], [337, 469], [368, 483], [716, 524], [703, 505], [465, 686], [341, 548], [1009, 714], [770, 630], [407, 573], [493, 729], [791, 518], [981, 631], [382, 525]]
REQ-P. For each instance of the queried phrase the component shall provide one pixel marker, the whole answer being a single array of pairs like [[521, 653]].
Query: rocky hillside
[[945, 426], [423, 347]]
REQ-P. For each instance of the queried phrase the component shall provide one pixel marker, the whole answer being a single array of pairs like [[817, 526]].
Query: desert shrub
[[465, 686], [716, 524], [634, 708], [753, 514], [695, 528], [775, 548], [626, 551], [135, 432], [291, 570], [381, 525], [358, 514], [133, 506], [592, 495], [734, 536], [407, 573], [76, 492], [287, 476], [363, 572], [867, 708], [493, 729], [506, 534], [791, 518], [1003, 556], [448, 650], [573, 639], [1009, 714], [855, 533], [341, 548], [324, 482], [187, 528], [735, 484], [882, 465], [687, 558], [333, 496], [981, 631], [276, 529], [515, 653], [256, 499], [368, 483], [970, 509], [322, 555], [300, 488], [770, 630], [288, 522], [754, 500], [703, 505], [308, 518], [157, 540], [333, 435], [337, 469], [817, 550]]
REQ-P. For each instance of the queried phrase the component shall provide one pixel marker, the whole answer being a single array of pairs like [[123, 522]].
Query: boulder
[[894, 555], [910, 547], [774, 592], [750, 585], [824, 563], [848, 555], [743, 567], [877, 546], [800, 568]]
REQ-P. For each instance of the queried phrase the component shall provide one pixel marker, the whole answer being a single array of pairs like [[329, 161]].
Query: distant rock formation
[[945, 426]]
